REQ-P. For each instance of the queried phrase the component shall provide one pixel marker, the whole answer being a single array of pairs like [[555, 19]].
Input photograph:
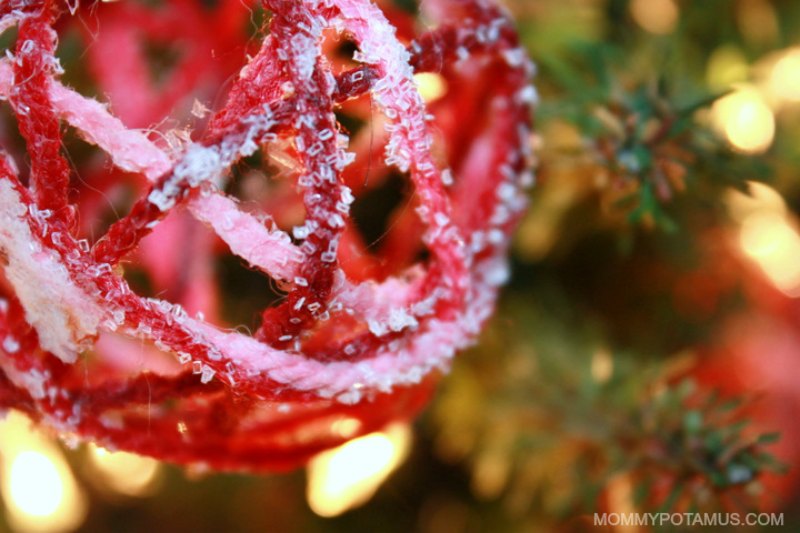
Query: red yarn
[[361, 333]]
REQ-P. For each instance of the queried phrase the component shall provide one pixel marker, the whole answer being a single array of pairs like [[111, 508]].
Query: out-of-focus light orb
[[348, 476], [39, 490], [772, 242], [759, 197], [784, 79], [602, 366], [764, 234], [346, 427], [758, 20], [767, 234], [745, 119], [656, 16], [35, 487], [726, 66], [431, 86], [490, 475], [125, 473]]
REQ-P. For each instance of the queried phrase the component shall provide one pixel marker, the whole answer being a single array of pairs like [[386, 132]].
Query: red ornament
[[360, 335]]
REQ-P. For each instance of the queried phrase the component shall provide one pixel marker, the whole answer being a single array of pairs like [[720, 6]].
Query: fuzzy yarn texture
[[361, 333]]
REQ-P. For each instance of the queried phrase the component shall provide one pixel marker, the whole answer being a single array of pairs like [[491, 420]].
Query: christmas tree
[[643, 352]]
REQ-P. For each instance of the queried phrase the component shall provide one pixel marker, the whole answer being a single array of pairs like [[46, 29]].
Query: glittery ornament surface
[[361, 333]]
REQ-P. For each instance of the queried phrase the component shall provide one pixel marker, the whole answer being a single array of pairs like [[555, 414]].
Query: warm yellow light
[[758, 20], [769, 239], [655, 16], [784, 79], [764, 234], [726, 66], [35, 487], [767, 234], [39, 490], [431, 86], [347, 427], [602, 367], [490, 474], [125, 473], [745, 119], [759, 197], [349, 475], [621, 499]]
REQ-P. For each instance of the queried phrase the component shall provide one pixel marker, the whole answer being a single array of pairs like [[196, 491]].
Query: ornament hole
[[162, 61], [7, 39], [13, 144], [247, 292], [264, 183], [409, 6], [340, 50], [71, 54], [375, 208]]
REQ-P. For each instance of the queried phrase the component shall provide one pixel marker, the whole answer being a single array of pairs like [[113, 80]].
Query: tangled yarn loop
[[360, 332]]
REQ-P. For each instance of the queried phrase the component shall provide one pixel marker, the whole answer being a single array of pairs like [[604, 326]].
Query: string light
[[125, 473], [768, 236], [758, 21], [431, 85], [759, 198], [602, 366], [40, 492], [35, 487], [772, 242], [656, 16], [349, 475], [726, 66], [784, 78], [745, 119]]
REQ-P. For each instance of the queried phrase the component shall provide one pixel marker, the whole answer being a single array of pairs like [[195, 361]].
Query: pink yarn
[[359, 335]]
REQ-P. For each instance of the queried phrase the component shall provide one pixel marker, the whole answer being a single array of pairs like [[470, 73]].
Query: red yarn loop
[[363, 331]]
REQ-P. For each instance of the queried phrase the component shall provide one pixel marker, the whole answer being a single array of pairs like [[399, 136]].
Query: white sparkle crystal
[[10, 345]]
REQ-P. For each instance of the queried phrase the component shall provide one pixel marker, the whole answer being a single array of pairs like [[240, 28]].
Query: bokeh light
[[771, 241], [784, 79], [745, 119], [39, 490], [125, 473], [768, 235], [431, 85], [656, 16], [726, 67], [349, 475]]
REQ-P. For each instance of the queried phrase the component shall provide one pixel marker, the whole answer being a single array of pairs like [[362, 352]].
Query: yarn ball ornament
[[149, 149]]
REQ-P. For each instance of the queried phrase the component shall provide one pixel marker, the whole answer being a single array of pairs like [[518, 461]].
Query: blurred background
[[645, 355]]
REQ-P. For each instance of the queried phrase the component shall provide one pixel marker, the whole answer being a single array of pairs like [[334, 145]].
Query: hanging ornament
[[361, 332]]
